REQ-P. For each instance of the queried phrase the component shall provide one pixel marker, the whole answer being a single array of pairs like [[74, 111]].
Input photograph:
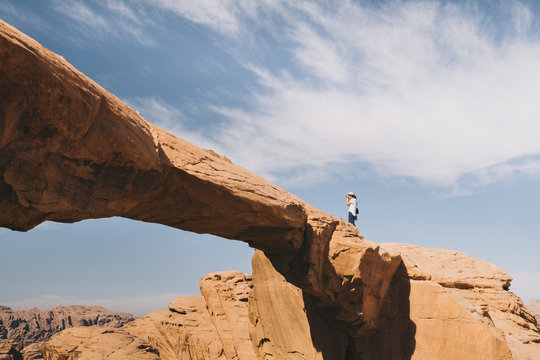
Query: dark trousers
[[351, 218]]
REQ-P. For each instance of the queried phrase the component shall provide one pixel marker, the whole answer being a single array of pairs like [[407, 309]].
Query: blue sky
[[428, 110]]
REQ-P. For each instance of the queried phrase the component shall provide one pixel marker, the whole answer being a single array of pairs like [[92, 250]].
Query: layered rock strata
[[32, 326]]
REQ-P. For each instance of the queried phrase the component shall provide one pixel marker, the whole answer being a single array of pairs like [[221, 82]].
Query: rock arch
[[69, 150]]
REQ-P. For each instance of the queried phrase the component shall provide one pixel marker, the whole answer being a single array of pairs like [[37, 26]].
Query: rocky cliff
[[69, 150]]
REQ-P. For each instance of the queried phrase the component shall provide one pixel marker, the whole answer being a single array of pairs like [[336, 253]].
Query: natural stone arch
[[69, 150]]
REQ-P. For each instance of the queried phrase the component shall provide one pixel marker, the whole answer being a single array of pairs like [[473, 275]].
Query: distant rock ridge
[[69, 150], [534, 307], [32, 326]]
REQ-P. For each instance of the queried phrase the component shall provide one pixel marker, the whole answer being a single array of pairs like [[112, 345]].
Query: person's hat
[[350, 193]]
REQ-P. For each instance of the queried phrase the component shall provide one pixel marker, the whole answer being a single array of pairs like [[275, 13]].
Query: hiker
[[353, 209]]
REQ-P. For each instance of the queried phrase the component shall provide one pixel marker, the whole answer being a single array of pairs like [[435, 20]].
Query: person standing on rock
[[353, 207]]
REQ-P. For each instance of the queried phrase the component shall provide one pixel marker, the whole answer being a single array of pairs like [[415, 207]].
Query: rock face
[[226, 294], [69, 150], [462, 309], [33, 326]]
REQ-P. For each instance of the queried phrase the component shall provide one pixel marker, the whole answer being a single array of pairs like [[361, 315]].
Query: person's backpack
[[356, 215]]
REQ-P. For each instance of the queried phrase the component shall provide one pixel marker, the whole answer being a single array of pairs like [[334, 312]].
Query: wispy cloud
[[10, 13], [428, 90], [138, 305], [106, 19], [441, 92]]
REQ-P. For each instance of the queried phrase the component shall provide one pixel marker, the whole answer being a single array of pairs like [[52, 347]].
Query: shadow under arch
[[393, 340]]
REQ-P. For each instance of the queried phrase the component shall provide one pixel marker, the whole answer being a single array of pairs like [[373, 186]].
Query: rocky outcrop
[[97, 343], [462, 309], [31, 326], [10, 350], [184, 331]]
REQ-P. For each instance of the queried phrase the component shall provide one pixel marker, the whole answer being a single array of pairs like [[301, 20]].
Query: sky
[[427, 110]]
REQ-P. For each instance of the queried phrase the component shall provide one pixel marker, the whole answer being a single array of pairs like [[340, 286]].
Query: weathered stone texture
[[95, 343], [226, 294]]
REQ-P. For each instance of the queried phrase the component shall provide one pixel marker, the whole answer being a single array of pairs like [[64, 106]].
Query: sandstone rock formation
[[32, 326], [69, 150], [472, 298], [534, 308], [86, 343]]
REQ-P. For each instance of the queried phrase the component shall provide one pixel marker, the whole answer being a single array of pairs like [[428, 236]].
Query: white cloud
[[416, 89], [220, 15], [138, 305], [440, 92]]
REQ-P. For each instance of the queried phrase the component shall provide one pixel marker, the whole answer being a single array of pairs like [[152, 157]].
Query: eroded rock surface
[[210, 327], [462, 309], [184, 331], [226, 294], [10, 350], [86, 343]]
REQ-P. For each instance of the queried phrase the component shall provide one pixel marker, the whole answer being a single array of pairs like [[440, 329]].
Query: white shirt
[[352, 207]]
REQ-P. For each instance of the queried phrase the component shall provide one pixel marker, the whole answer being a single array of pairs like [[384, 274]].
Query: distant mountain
[[27, 327], [534, 307]]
